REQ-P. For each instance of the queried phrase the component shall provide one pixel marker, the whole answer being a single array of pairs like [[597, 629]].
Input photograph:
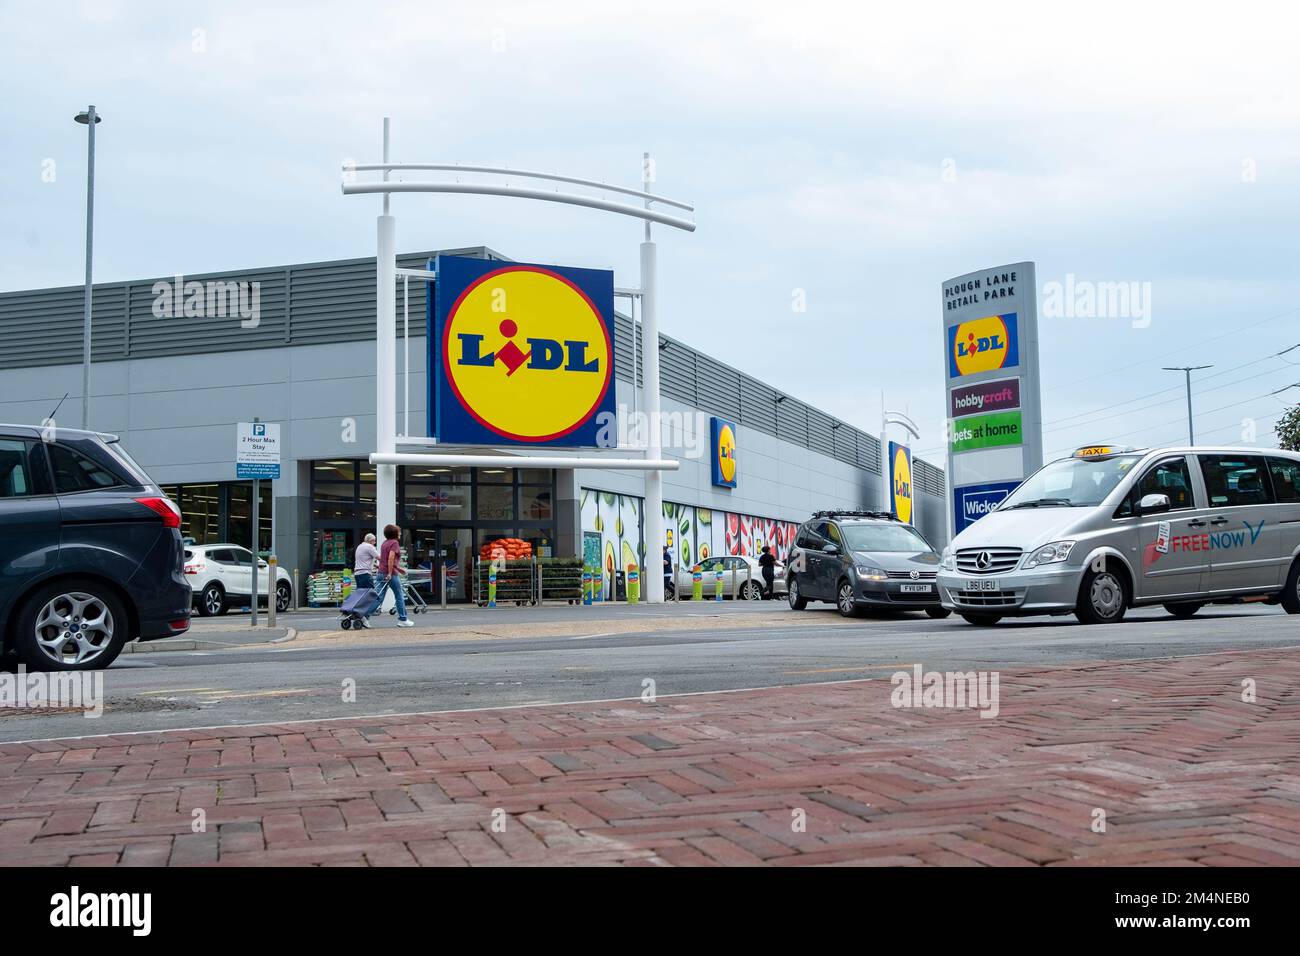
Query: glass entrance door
[[431, 547]]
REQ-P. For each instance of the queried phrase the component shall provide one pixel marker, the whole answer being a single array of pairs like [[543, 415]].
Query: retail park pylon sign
[[521, 353], [995, 428]]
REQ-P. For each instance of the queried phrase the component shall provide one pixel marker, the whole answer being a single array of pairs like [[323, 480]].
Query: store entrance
[[430, 548]]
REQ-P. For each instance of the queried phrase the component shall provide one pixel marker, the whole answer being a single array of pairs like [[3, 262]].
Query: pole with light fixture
[[90, 119], [1187, 370]]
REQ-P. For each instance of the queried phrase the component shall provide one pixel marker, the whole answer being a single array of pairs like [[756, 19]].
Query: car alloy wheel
[[74, 628], [752, 591], [212, 599], [282, 597], [1106, 595], [846, 602]]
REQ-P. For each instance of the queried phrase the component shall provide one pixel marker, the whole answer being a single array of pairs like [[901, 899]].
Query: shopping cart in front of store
[[415, 579]]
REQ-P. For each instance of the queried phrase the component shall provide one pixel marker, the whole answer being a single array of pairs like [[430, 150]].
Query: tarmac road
[[749, 647]]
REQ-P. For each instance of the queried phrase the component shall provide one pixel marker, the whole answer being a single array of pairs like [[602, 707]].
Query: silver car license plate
[[915, 588], [981, 584]]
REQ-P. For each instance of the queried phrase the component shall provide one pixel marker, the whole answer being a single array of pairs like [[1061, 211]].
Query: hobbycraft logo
[[527, 354], [983, 345]]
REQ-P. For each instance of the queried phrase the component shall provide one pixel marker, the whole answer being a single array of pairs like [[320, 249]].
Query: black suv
[[90, 550], [860, 560]]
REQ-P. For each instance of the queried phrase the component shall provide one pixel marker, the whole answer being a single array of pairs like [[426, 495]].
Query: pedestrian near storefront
[[363, 568], [768, 565], [390, 571], [668, 571]]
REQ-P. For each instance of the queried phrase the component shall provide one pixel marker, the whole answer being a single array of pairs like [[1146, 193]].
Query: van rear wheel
[[1291, 596]]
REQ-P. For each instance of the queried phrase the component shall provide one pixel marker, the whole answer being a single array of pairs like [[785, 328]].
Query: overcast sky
[[854, 155]]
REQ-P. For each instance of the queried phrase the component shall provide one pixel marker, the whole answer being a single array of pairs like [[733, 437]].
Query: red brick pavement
[[1185, 771]]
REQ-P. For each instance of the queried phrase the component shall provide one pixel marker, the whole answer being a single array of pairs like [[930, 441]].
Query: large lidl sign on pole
[[995, 428], [900, 481], [520, 353]]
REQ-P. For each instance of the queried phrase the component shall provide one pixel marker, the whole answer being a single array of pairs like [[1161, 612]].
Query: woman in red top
[[390, 567]]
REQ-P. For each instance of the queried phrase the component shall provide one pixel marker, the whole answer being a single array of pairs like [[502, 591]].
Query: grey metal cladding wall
[[821, 434], [623, 346], [303, 304], [929, 479], [677, 372], [758, 405], [44, 326], [718, 387], [792, 421]]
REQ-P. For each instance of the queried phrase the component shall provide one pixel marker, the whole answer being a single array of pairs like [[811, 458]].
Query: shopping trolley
[[415, 602]]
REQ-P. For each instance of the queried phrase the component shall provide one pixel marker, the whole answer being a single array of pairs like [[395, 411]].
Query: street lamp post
[[1187, 370], [90, 119]]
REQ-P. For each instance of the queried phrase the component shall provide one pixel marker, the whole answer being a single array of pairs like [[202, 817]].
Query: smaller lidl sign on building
[[987, 431], [900, 481], [973, 502], [983, 345], [723, 435], [521, 353]]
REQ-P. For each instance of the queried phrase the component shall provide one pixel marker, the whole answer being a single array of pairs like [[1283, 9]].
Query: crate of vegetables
[[505, 549], [561, 579], [514, 581]]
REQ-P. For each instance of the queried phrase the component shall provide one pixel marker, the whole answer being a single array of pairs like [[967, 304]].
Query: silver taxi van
[[1111, 528]]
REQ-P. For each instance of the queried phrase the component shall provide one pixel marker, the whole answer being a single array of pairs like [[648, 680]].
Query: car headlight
[[949, 560], [868, 573], [1053, 553]]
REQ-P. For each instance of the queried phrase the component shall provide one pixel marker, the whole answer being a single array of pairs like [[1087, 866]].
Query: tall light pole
[[91, 119], [1187, 370]]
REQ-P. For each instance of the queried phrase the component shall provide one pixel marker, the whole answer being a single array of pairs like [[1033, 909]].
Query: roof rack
[[846, 513]]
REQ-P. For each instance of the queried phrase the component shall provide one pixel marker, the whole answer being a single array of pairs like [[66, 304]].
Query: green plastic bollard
[[717, 588], [697, 584], [586, 586], [492, 585], [633, 585]]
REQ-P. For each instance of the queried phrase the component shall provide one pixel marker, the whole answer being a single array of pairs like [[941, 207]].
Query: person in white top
[[363, 568]]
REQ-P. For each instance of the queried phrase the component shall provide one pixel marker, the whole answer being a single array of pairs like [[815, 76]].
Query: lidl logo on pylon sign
[[900, 481], [982, 345], [525, 353], [724, 452]]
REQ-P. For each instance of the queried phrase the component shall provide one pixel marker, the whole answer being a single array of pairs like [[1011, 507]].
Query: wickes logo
[[982, 345], [527, 353]]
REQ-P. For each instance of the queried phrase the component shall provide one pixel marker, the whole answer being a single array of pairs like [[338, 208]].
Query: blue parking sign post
[[257, 456]]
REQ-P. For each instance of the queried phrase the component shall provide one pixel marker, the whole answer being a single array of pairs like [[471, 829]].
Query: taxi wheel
[[1103, 598], [797, 601], [1184, 610], [1291, 596]]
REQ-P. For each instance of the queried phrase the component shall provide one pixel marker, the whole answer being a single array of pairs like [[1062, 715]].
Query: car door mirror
[[1153, 504], [831, 549]]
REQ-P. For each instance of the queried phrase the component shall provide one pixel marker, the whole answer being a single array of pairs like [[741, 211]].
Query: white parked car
[[222, 577], [742, 577]]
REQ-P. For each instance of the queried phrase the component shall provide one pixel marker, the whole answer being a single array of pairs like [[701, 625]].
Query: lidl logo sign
[[724, 452], [983, 345], [525, 352], [900, 481]]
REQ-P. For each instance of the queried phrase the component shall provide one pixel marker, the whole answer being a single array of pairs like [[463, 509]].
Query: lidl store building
[[174, 386]]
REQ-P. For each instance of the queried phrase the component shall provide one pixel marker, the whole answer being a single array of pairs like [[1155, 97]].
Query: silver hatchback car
[[1108, 529]]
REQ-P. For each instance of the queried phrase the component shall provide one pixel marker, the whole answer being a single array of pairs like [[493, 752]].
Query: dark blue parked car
[[90, 550]]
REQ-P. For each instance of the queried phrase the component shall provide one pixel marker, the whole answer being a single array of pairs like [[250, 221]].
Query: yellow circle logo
[[727, 453], [902, 487], [527, 353]]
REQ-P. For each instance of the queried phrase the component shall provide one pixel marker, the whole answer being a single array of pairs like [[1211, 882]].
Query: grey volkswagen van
[[1108, 529]]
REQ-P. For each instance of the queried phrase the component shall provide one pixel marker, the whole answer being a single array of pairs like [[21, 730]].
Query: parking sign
[[257, 450]]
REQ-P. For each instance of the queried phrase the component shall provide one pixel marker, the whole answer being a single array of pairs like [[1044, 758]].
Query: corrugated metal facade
[[321, 302]]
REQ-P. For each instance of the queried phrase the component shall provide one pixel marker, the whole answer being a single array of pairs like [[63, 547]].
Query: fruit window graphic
[[612, 528]]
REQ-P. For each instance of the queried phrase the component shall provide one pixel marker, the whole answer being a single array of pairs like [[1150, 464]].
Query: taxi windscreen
[[1071, 483]]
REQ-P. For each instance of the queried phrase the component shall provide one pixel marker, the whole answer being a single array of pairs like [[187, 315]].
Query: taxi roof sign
[[1100, 451]]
